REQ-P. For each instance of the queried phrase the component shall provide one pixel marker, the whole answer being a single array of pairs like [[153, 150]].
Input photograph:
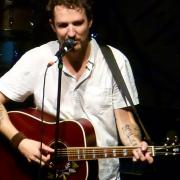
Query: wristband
[[16, 139]]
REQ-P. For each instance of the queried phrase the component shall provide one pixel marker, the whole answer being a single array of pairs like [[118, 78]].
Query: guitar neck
[[94, 153]]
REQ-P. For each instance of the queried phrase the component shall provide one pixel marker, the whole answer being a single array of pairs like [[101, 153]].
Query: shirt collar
[[93, 54]]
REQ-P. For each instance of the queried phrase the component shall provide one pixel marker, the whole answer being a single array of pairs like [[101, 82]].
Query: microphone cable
[[42, 120]]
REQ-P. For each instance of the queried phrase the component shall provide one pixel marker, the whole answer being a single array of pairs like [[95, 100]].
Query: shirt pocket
[[97, 99]]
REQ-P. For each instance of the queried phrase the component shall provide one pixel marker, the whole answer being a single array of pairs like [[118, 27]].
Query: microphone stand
[[60, 67], [66, 46]]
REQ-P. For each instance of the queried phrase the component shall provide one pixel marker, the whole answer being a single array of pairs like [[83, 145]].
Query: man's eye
[[62, 25], [78, 23]]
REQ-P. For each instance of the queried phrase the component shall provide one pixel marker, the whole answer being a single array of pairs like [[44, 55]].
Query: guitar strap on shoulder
[[108, 55]]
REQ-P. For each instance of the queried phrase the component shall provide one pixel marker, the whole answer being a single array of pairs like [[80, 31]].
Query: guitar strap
[[117, 75]]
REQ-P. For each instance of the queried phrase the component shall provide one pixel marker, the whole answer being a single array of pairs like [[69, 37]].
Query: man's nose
[[71, 31]]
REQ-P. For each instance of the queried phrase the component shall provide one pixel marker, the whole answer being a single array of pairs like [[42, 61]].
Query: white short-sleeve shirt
[[94, 96]]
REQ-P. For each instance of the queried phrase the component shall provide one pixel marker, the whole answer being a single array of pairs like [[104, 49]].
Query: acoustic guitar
[[76, 155]]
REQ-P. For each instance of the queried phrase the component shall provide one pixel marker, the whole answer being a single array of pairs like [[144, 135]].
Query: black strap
[[108, 55]]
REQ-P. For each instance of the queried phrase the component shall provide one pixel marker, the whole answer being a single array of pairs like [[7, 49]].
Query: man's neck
[[76, 61]]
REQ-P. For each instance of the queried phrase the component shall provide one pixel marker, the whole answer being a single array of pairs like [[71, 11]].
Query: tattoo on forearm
[[132, 134]]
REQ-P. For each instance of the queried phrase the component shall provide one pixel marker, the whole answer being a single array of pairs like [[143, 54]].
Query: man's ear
[[90, 23], [52, 25]]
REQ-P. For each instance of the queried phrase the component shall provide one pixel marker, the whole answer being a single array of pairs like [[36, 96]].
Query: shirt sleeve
[[126, 71], [17, 84]]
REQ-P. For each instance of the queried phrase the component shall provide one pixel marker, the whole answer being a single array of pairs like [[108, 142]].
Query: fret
[[105, 153], [125, 152], [114, 152], [84, 153], [94, 154], [78, 154]]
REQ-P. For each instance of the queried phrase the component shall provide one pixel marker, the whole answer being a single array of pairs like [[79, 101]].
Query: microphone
[[66, 46]]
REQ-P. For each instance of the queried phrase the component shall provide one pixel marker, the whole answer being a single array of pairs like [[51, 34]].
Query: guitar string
[[108, 151]]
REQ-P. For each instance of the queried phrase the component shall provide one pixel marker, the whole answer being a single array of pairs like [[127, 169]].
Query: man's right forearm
[[6, 127]]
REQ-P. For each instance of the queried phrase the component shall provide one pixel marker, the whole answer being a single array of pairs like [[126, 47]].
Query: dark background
[[147, 32]]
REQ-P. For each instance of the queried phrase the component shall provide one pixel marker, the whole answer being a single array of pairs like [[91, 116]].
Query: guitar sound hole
[[60, 158], [59, 165]]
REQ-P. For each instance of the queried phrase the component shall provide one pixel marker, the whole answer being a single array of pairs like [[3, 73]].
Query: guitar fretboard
[[93, 153]]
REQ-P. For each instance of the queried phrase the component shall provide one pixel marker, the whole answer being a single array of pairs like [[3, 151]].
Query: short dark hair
[[86, 4]]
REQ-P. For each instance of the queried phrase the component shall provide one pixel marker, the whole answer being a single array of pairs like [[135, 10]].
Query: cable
[[42, 120]]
